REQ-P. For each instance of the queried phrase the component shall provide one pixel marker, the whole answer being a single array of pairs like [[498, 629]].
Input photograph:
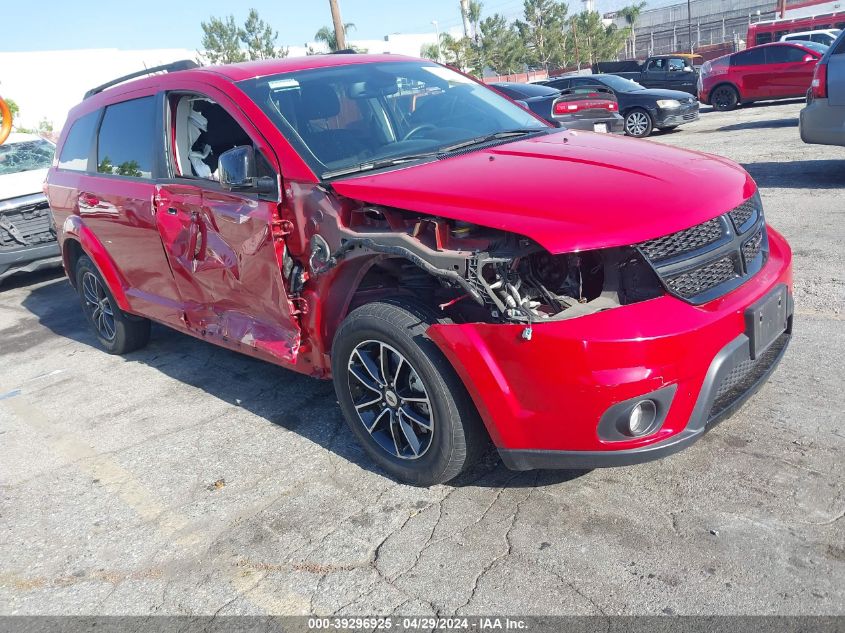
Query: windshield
[[620, 84], [25, 156], [344, 116], [813, 46]]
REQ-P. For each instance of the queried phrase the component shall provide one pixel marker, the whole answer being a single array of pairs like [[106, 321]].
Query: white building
[[46, 84]]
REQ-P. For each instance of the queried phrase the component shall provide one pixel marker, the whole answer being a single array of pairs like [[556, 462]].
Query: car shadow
[[799, 174], [291, 401], [758, 125], [19, 280]]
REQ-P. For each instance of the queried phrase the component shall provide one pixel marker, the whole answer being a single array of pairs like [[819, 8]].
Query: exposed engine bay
[[476, 273]]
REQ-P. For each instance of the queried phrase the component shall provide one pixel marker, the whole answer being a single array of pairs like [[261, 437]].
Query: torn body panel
[[224, 257], [550, 393]]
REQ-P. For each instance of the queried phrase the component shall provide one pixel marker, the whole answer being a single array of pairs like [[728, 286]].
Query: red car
[[461, 269], [762, 73]]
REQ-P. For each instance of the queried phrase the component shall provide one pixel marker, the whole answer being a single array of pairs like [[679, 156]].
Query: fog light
[[642, 417]]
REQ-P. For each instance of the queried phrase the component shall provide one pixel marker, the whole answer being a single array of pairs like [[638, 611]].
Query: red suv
[[762, 73], [389, 223]]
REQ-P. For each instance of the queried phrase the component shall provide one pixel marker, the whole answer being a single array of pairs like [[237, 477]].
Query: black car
[[642, 108], [594, 109]]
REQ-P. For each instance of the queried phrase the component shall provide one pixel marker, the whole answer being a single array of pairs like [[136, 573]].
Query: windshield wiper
[[487, 138], [376, 164]]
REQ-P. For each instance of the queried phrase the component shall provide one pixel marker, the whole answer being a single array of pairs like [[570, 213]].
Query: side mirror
[[237, 171]]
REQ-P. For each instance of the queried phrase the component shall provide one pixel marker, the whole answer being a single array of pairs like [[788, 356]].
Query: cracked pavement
[[186, 479]]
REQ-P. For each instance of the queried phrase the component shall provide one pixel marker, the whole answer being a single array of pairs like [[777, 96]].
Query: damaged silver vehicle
[[27, 234]]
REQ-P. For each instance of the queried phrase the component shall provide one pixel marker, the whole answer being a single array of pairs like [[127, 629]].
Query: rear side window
[[783, 54], [77, 147], [750, 57], [126, 143]]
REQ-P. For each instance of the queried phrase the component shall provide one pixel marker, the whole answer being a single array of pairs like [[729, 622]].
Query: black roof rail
[[344, 51], [183, 64]]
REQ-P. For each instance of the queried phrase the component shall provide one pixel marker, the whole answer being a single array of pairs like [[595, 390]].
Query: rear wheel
[[724, 98], [638, 123], [117, 331], [399, 395]]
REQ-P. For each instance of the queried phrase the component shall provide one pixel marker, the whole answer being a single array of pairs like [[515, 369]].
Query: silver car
[[823, 120]]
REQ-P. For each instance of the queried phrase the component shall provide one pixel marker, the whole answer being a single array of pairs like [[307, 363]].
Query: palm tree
[[326, 35], [631, 13]]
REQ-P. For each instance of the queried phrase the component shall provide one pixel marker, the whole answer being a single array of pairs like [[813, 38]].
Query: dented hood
[[568, 191]]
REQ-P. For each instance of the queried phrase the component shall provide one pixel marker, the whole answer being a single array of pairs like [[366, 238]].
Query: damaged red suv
[[463, 271]]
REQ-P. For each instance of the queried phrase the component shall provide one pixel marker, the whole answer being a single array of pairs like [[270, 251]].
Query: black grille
[[744, 376], [683, 241], [710, 259], [752, 247], [699, 280], [27, 225], [742, 214]]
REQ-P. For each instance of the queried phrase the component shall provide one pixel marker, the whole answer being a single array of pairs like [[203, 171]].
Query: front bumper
[[822, 124], [27, 237], [676, 116], [27, 260], [542, 399]]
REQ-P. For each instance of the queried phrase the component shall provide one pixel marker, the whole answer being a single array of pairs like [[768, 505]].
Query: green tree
[[502, 49], [430, 51], [260, 39], [13, 108], [591, 41], [327, 36], [45, 127], [221, 41], [224, 42], [631, 13], [542, 31]]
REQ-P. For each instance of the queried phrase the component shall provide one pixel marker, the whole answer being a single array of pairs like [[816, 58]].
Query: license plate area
[[600, 127], [766, 320]]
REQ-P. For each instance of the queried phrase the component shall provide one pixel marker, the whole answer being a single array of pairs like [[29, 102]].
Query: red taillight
[[566, 108], [819, 85]]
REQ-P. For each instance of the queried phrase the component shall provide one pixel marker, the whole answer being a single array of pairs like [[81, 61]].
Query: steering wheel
[[418, 128]]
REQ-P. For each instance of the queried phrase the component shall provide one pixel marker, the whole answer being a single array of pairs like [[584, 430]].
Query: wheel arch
[[79, 240], [723, 84]]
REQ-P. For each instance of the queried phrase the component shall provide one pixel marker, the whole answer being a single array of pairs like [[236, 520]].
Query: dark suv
[[388, 223]]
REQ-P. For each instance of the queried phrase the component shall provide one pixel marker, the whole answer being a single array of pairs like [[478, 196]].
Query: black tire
[[724, 98], [396, 327], [117, 331], [638, 123]]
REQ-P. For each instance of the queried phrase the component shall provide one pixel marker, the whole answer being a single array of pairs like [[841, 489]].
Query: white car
[[27, 235], [821, 36]]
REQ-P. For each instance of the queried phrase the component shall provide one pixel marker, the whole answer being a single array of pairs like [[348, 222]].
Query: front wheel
[[399, 395], [117, 331], [638, 123]]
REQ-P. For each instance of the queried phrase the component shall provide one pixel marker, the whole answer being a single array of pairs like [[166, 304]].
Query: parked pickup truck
[[672, 72]]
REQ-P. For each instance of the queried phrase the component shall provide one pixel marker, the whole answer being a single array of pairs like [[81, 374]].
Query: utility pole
[[339, 32], [689, 25], [465, 16], [437, 36]]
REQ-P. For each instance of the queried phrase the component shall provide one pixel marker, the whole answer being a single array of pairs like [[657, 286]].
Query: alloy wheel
[[391, 400], [637, 123], [98, 306], [723, 98]]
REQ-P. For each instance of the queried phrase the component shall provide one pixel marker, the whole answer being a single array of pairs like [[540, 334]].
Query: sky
[[66, 24]]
